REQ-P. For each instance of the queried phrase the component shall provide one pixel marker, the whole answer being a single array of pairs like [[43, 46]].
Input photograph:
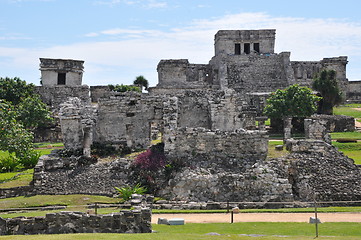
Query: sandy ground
[[260, 217]]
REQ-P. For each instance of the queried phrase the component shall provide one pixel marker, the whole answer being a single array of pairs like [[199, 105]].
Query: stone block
[[313, 220], [163, 221], [176, 221]]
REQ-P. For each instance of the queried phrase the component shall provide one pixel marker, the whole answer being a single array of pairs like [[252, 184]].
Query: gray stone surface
[[78, 222]]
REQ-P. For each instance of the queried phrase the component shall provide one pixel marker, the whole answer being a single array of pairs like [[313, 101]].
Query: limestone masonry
[[207, 116]]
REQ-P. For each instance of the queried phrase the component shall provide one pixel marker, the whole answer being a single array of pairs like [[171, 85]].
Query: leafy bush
[[151, 160], [10, 163], [30, 159], [124, 88], [146, 168], [126, 192]]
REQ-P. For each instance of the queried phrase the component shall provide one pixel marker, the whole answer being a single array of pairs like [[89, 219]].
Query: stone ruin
[[137, 221], [206, 115]]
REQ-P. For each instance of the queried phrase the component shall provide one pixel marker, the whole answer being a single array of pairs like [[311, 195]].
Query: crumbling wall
[[137, 221], [316, 167], [254, 73], [53, 96], [219, 149], [354, 92], [305, 71], [179, 73], [125, 119], [78, 175], [337, 123], [317, 129]]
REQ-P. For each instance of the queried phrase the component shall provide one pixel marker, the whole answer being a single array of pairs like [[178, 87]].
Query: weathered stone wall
[[137, 221], [181, 74], [126, 118], [305, 71], [337, 123], [50, 69], [317, 129], [225, 40], [97, 92], [318, 168], [74, 175], [253, 73], [53, 96], [218, 149], [354, 92], [261, 182], [16, 191]]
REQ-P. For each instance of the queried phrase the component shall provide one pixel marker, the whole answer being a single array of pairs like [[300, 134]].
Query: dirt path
[[260, 217]]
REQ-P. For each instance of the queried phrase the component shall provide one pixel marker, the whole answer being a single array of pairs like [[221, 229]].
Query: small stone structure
[[61, 72], [317, 129], [137, 221]]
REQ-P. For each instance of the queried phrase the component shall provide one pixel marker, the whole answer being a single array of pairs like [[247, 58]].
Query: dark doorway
[[256, 47], [247, 48], [237, 49], [61, 78]]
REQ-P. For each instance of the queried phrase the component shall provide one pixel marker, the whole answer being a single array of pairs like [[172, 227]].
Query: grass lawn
[[348, 110], [272, 152], [16, 179], [196, 231], [352, 150]]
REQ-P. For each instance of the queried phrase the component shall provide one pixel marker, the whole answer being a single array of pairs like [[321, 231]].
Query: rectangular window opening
[[237, 49], [256, 47], [247, 48], [61, 78]]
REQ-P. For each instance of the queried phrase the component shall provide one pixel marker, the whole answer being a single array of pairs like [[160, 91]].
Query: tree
[[32, 112], [13, 90], [326, 84], [140, 80], [14, 138], [21, 110], [294, 101]]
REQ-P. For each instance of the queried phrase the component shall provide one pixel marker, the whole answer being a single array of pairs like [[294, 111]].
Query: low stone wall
[[138, 221], [337, 123], [73, 175], [16, 191], [354, 92]]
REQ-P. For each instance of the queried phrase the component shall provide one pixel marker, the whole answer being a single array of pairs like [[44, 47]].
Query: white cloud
[[137, 51]]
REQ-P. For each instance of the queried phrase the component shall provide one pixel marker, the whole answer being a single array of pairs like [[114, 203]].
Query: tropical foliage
[[294, 101], [327, 85]]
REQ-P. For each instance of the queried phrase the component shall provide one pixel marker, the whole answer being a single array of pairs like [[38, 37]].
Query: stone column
[[287, 128]]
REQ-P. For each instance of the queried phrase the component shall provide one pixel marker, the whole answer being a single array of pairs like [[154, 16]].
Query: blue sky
[[122, 39]]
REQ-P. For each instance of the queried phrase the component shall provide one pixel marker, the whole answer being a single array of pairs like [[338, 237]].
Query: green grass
[[198, 231], [348, 110], [350, 135], [272, 153], [49, 200], [16, 179], [352, 150]]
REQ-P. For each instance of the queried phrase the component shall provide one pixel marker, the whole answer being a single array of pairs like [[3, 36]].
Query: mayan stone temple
[[210, 119]]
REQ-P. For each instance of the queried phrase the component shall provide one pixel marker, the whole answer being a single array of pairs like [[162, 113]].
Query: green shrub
[[30, 159], [124, 88], [10, 163], [126, 192]]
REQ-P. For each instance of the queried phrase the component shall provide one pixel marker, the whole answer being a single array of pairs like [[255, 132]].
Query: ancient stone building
[[245, 61], [206, 115], [61, 72]]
